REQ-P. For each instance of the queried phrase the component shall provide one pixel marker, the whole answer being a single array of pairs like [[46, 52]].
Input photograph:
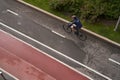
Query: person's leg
[[77, 31], [73, 26]]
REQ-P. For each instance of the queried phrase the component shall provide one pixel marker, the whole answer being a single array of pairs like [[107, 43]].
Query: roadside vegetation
[[99, 16]]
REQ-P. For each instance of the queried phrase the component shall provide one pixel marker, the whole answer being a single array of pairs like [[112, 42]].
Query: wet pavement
[[27, 63], [95, 53]]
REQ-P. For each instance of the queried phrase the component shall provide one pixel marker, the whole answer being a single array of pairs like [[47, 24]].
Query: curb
[[54, 16]]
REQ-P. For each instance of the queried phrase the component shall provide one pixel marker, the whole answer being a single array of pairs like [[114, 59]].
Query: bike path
[[17, 57], [98, 52], [38, 32]]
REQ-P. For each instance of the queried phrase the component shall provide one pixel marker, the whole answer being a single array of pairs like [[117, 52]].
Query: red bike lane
[[27, 63]]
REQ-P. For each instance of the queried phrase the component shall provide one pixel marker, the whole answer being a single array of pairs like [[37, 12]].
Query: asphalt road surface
[[26, 63], [94, 57]]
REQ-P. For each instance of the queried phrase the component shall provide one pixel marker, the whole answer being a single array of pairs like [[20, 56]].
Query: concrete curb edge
[[88, 31]]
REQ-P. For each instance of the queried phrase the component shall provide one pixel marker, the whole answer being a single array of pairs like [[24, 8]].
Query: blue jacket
[[77, 22]]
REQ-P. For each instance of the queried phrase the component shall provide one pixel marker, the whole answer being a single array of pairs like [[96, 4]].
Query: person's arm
[[72, 22]]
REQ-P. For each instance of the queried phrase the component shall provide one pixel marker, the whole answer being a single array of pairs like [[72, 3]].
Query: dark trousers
[[77, 30]]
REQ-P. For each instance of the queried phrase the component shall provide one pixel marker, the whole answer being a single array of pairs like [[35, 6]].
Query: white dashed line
[[12, 12], [48, 56], [56, 51], [0, 72], [58, 34], [114, 61], [8, 74]]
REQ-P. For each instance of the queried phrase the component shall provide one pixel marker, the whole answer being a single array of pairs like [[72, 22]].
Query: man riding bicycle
[[75, 24]]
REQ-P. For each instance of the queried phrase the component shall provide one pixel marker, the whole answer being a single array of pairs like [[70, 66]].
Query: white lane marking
[[58, 33], [21, 58], [8, 74], [12, 12], [55, 51], [114, 61], [0, 72], [48, 56]]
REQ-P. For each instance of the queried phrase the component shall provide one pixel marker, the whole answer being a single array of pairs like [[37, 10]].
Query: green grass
[[44, 4], [106, 31]]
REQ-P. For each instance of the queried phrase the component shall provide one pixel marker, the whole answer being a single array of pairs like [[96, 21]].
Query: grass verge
[[99, 28]]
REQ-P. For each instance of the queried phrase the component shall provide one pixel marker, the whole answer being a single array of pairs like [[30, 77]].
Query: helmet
[[73, 16]]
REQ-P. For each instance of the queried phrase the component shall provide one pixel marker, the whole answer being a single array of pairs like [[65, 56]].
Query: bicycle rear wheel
[[67, 29], [82, 36]]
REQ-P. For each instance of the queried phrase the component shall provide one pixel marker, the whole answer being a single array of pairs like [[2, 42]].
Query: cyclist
[[75, 24]]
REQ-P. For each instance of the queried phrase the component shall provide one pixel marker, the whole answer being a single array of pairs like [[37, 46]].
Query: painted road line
[[21, 58], [59, 18], [48, 56], [43, 11], [56, 51], [12, 12], [42, 60], [58, 33], [114, 61], [8, 74]]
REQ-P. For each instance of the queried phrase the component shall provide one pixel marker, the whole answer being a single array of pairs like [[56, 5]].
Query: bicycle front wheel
[[67, 29]]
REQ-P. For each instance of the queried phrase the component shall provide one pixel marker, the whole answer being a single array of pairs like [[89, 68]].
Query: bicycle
[[81, 36]]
